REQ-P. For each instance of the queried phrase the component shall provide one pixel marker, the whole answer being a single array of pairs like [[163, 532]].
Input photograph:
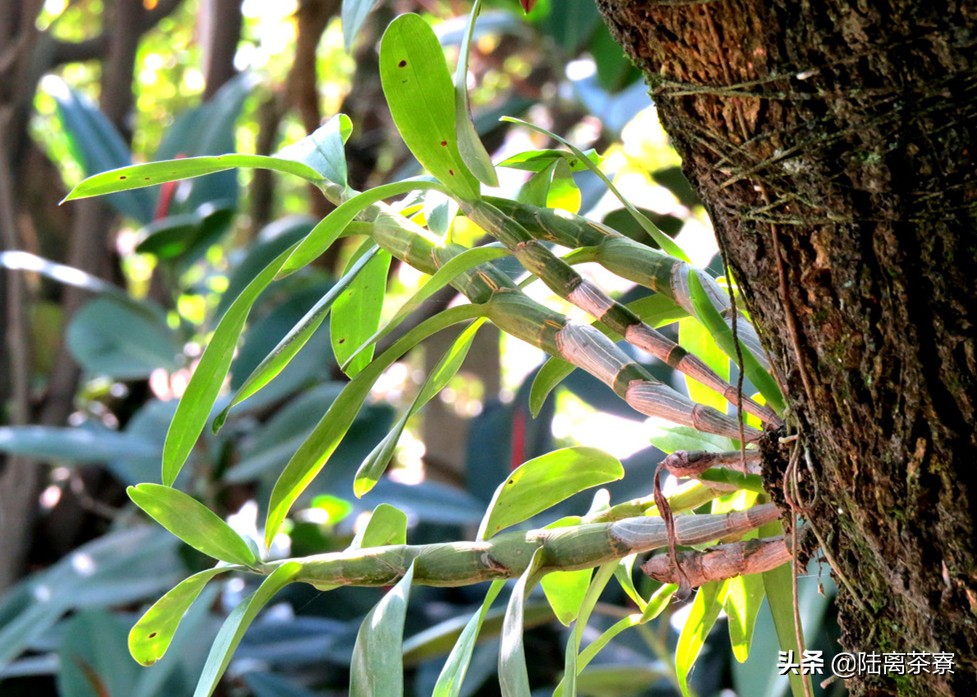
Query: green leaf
[[205, 384], [354, 14], [273, 364], [377, 666], [778, 585], [469, 144], [696, 339], [569, 682], [456, 266], [513, 676], [192, 522], [663, 240], [74, 444], [315, 451], [456, 666], [723, 335], [703, 615], [538, 160], [668, 439], [153, 173], [421, 98], [563, 191], [237, 623], [150, 637], [92, 658], [112, 339], [387, 526], [543, 482], [332, 226], [565, 590], [356, 312], [744, 596], [323, 150], [376, 463]]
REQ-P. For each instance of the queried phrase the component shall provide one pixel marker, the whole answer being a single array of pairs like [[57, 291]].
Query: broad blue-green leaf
[[150, 637], [97, 146], [743, 599], [153, 173], [456, 266], [703, 615], [331, 227], [543, 482], [192, 522], [92, 657], [237, 623], [654, 310], [205, 384], [322, 150], [292, 343], [663, 240], [356, 312], [513, 676], [112, 339], [75, 444], [387, 526], [565, 590], [420, 95], [377, 667], [723, 335], [329, 432], [456, 666], [447, 367], [354, 14], [696, 339], [469, 144]]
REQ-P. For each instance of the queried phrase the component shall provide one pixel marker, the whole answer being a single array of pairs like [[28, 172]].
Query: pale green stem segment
[[507, 555], [564, 280], [628, 259], [518, 315]]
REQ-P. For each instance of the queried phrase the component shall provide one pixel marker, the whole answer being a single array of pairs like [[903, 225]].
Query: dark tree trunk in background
[[834, 144]]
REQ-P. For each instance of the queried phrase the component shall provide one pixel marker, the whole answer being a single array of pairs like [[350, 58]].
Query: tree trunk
[[833, 143]]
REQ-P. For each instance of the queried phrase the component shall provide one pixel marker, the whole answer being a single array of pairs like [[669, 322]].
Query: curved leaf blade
[[150, 637], [470, 146], [543, 482], [377, 667], [315, 451], [237, 623], [420, 95], [323, 149], [513, 676], [705, 611], [192, 522], [455, 668], [356, 312]]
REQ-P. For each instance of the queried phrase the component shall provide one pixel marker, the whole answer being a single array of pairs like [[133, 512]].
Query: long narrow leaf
[[453, 673], [272, 364], [150, 637], [329, 432], [356, 313], [469, 144], [377, 667], [237, 623], [448, 366], [705, 611], [420, 95], [192, 522], [513, 676]]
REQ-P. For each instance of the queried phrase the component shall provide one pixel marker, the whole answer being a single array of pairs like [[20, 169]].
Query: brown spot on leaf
[[444, 143], [122, 177], [402, 64], [451, 172]]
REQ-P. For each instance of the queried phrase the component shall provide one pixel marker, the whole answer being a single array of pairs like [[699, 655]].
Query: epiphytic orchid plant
[[573, 561]]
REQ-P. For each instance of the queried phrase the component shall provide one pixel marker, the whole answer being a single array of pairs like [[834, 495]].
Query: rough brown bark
[[833, 143]]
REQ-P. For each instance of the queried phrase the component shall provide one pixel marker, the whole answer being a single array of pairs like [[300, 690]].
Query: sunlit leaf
[[743, 599], [237, 623], [696, 339], [469, 144], [700, 621], [447, 367], [377, 666], [513, 676], [315, 451], [354, 14], [322, 150], [456, 666], [150, 637], [419, 92], [543, 482], [192, 522], [565, 590], [387, 526], [356, 312]]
